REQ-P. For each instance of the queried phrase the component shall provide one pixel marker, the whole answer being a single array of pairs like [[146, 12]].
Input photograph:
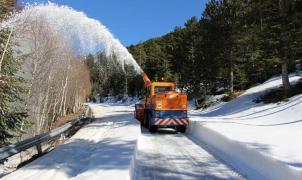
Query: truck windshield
[[162, 89]]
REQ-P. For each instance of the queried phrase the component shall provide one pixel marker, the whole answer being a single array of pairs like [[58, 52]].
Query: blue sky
[[132, 21]]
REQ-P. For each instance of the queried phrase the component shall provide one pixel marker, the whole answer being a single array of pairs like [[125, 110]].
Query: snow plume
[[83, 34]]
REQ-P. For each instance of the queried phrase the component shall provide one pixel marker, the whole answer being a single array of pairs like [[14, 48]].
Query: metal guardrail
[[8, 151]]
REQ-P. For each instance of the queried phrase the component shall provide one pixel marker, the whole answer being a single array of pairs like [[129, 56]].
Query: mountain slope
[[274, 130]]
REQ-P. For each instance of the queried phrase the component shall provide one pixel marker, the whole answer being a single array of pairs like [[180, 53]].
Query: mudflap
[[139, 112]]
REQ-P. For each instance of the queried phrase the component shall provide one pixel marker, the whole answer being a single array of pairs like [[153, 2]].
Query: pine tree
[[12, 87], [12, 110], [282, 33], [234, 45], [190, 68]]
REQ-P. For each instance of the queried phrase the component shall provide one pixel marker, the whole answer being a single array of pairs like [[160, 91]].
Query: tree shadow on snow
[[232, 108], [295, 164], [79, 155], [255, 125]]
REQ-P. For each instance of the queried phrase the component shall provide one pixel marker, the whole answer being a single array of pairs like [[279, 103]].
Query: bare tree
[[58, 80]]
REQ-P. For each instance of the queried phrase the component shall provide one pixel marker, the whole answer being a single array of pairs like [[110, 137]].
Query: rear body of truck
[[163, 107]]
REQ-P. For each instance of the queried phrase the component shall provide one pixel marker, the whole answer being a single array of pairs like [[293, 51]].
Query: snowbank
[[247, 161], [265, 137]]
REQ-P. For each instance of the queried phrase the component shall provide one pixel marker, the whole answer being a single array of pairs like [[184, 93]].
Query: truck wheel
[[182, 129], [142, 123], [152, 129], [146, 120]]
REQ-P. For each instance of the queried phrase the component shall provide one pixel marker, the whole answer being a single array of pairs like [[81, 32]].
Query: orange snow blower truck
[[162, 107]]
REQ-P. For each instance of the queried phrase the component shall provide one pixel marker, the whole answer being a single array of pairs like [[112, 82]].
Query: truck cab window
[[162, 89]]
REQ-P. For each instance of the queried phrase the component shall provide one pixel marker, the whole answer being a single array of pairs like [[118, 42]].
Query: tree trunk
[[5, 48], [284, 41], [285, 78], [64, 93], [54, 112], [231, 80], [64, 104], [44, 115], [126, 84]]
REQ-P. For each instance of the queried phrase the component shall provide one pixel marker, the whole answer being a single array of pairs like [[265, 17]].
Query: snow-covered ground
[[168, 155], [100, 150], [274, 130], [115, 147], [260, 141]]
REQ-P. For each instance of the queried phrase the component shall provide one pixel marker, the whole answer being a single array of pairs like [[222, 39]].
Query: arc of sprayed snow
[[81, 32]]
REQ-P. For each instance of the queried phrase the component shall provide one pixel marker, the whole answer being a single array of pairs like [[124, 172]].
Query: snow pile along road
[[264, 137], [100, 150], [170, 156]]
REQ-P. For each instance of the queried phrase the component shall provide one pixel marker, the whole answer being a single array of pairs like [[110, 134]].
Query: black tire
[[146, 120], [142, 123], [152, 128], [182, 129]]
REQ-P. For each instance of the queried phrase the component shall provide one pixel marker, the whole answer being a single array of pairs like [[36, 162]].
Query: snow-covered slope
[[274, 130]]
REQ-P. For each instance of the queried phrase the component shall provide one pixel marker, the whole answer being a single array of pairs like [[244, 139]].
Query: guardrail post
[[39, 148], [62, 137]]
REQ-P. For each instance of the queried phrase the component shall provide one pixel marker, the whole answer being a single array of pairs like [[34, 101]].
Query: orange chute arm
[[146, 79]]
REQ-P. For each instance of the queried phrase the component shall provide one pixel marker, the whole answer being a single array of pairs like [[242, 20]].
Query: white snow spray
[[83, 34]]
